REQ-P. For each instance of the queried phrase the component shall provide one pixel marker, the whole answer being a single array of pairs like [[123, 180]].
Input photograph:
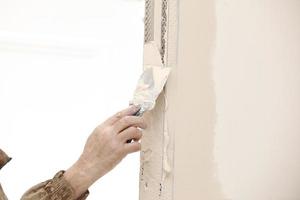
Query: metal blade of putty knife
[[152, 80]]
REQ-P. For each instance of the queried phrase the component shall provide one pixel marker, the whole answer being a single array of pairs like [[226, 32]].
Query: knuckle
[[107, 130], [118, 115], [133, 129], [137, 133], [106, 134], [126, 120]]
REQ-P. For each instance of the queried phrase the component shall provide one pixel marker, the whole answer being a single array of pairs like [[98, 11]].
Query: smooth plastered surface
[[231, 104], [193, 104], [257, 87]]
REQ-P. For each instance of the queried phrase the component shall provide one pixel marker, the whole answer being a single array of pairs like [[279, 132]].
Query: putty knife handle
[[138, 113]]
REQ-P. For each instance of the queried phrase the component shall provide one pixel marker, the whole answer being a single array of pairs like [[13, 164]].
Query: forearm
[[56, 188], [79, 177]]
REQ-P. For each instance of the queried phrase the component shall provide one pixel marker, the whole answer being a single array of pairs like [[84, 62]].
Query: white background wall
[[65, 66]]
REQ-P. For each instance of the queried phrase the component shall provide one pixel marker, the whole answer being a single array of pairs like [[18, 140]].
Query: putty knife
[[152, 80]]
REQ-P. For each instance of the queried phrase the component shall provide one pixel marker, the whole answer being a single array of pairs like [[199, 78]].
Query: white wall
[[64, 67]]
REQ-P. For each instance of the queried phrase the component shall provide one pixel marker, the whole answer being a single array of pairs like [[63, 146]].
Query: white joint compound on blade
[[149, 86], [152, 81]]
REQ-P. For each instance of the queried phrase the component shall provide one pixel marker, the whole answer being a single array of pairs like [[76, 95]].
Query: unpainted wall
[[231, 106]]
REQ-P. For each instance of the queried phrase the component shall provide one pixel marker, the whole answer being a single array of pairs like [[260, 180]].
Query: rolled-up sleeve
[[54, 189]]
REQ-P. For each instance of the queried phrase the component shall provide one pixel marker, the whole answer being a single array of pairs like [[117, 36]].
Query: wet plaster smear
[[227, 125]]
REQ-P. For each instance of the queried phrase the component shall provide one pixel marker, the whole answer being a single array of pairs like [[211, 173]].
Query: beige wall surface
[[256, 74], [231, 107], [237, 102], [192, 104]]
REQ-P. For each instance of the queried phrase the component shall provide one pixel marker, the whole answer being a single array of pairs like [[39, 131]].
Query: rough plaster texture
[[156, 156], [231, 105]]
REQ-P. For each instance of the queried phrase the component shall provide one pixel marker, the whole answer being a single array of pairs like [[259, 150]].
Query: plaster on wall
[[233, 110], [257, 87]]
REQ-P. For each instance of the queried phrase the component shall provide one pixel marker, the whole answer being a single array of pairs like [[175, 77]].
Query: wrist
[[79, 178]]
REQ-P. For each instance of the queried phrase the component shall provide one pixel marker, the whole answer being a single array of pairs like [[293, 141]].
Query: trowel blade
[[152, 80]]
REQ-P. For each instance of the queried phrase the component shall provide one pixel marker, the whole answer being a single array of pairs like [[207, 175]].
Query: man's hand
[[105, 148]]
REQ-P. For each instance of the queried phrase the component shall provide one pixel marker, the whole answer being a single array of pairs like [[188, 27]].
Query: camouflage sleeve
[[54, 189]]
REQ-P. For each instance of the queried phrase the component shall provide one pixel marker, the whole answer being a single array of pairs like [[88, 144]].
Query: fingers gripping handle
[[140, 112]]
